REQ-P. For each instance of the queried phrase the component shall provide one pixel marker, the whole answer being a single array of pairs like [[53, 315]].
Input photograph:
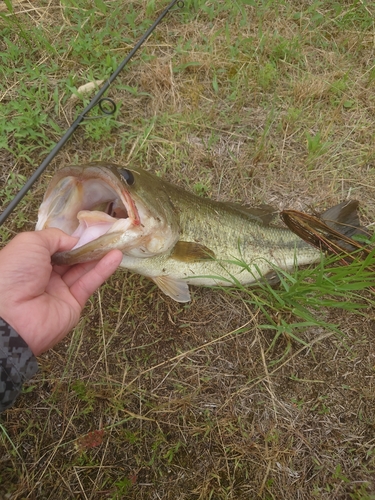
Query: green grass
[[242, 393]]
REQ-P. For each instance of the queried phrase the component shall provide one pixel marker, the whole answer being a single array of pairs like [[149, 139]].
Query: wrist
[[11, 321]]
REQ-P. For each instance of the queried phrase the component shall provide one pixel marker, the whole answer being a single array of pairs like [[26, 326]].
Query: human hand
[[41, 301]]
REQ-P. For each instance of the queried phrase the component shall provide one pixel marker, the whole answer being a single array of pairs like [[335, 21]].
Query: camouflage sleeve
[[17, 364]]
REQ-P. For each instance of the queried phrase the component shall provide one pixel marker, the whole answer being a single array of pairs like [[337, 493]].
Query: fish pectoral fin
[[177, 290], [188, 251]]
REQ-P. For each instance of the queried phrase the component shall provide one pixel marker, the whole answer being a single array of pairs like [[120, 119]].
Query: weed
[[267, 75], [200, 189], [316, 146], [85, 395], [12, 185], [123, 486]]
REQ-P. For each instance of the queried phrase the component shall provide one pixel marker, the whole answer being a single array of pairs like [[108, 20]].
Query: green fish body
[[166, 233]]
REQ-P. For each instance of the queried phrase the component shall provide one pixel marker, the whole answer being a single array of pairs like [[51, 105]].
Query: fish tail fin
[[343, 218], [332, 231]]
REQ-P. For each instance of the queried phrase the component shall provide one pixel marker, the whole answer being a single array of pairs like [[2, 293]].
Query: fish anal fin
[[187, 251], [177, 290]]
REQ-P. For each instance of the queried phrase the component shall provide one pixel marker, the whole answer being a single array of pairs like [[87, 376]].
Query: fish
[[171, 235]]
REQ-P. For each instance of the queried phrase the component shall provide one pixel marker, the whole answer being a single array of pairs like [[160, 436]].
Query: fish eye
[[127, 175]]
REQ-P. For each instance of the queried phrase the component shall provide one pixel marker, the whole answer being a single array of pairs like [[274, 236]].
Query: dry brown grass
[[150, 399]]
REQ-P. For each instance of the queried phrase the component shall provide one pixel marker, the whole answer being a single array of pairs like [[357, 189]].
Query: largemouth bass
[[170, 235]]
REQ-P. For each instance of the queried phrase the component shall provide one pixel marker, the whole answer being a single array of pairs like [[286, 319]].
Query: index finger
[[86, 285], [70, 274]]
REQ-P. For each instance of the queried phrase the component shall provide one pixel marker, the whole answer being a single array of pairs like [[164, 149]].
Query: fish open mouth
[[88, 203], [106, 207], [96, 221]]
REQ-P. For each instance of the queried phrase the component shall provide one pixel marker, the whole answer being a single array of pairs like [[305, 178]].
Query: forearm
[[17, 364]]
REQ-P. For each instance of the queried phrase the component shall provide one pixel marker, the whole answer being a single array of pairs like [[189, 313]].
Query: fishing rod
[[97, 100]]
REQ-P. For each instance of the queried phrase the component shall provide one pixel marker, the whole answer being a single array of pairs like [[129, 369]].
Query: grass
[[243, 393]]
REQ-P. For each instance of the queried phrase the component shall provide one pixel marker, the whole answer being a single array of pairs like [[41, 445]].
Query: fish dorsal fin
[[263, 214], [177, 290], [188, 251]]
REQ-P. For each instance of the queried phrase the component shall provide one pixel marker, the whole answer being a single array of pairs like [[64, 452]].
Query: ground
[[232, 396]]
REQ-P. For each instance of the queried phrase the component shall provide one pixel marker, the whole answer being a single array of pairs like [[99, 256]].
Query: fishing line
[[106, 105]]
